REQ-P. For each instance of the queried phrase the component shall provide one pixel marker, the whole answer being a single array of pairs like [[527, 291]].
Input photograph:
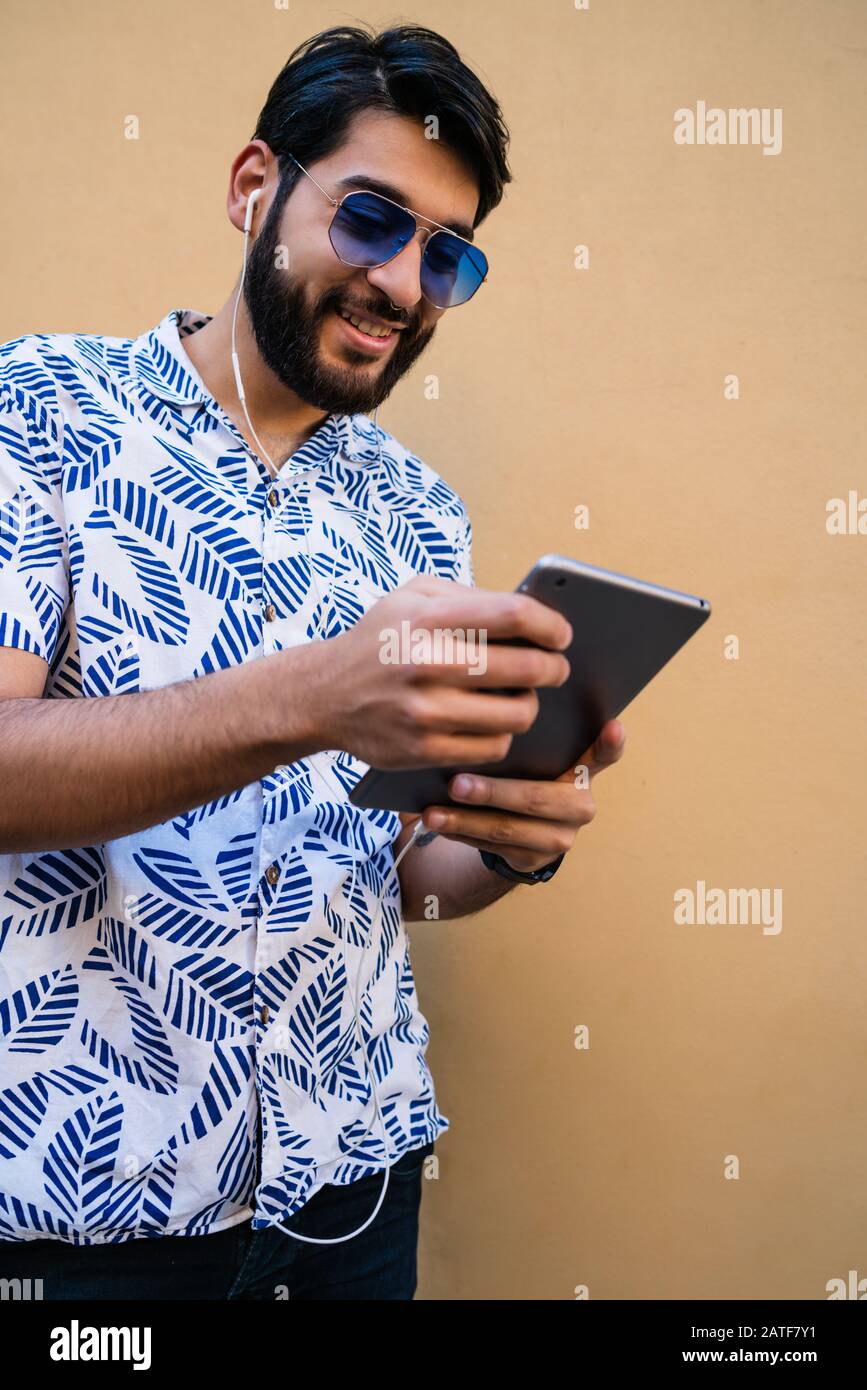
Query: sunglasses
[[369, 230]]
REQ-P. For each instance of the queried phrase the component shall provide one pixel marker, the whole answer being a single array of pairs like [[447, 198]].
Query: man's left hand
[[527, 823]]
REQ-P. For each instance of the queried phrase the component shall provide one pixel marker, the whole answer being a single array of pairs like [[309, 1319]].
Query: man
[[210, 1028]]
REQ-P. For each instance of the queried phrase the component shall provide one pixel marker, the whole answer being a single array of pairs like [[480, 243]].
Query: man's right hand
[[402, 715]]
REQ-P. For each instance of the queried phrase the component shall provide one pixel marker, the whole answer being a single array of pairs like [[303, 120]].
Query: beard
[[287, 331]]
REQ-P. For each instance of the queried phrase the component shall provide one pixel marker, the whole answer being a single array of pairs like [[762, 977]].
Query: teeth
[[374, 329]]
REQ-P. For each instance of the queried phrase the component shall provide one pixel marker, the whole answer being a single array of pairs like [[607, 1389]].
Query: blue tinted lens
[[451, 270], [367, 230]]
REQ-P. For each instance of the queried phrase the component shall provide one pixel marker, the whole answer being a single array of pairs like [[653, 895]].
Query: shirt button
[[272, 498], [265, 1015], [270, 613], [272, 873]]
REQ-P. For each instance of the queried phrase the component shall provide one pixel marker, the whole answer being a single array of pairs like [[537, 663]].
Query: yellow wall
[[602, 1167]]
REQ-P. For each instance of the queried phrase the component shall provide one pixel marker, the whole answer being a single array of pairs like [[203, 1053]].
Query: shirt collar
[[167, 371]]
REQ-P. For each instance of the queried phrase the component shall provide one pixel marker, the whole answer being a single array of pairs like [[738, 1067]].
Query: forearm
[[82, 771], [445, 879]]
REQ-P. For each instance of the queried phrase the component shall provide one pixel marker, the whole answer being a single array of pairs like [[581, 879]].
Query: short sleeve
[[34, 584], [464, 550]]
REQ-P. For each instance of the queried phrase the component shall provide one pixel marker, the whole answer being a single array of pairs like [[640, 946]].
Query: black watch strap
[[497, 863]]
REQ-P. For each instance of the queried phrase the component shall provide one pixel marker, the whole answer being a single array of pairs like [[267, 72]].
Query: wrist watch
[[499, 866]]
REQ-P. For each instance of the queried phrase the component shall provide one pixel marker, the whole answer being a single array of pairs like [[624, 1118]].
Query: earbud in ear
[[251, 204]]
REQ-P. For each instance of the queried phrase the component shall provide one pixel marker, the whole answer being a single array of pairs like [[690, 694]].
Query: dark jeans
[[245, 1264]]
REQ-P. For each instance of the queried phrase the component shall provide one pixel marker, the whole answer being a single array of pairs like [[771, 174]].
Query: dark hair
[[407, 70]]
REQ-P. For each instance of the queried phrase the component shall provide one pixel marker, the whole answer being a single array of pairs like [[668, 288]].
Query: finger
[[501, 616], [607, 749], [554, 800], [441, 709], [446, 750], [506, 832], [494, 665], [524, 860]]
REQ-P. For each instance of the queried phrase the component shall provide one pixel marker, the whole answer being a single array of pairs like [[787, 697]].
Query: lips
[[367, 323], [366, 341]]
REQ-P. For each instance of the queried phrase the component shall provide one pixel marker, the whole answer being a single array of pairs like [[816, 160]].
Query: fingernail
[[435, 820], [462, 785]]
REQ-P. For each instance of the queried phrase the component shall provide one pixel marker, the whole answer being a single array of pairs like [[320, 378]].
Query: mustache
[[399, 318]]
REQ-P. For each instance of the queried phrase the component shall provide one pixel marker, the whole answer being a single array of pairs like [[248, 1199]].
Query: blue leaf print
[[64, 676], [203, 1220], [380, 1055], [193, 483], [284, 1194], [369, 527], [168, 620], [141, 1204], [48, 604], [229, 1079], [56, 891], [193, 494], [218, 562], [177, 876], [348, 771], [32, 462], [405, 1006], [157, 1069], [274, 1071], [23, 1107], [69, 376], [234, 864], [350, 929], [287, 791], [88, 453], [402, 482], [13, 519], [362, 1148], [128, 948], [288, 583], [209, 998], [136, 505], [17, 1216], [296, 516], [115, 671], [420, 542], [79, 1161], [37, 1017], [236, 1166], [277, 982], [320, 1047], [162, 917], [188, 820], [94, 629], [340, 608], [36, 532], [378, 569], [290, 900], [238, 635]]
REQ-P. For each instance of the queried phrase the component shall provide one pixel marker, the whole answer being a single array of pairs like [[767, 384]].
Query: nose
[[400, 278]]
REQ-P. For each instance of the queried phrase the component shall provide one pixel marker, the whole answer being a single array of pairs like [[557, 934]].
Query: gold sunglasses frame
[[336, 203]]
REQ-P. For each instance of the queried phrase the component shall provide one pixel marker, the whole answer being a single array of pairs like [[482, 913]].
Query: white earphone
[[251, 205], [248, 223]]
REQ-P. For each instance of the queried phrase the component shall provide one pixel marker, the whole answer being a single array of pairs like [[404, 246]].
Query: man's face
[[296, 284]]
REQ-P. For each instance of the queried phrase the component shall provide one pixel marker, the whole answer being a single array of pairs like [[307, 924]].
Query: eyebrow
[[388, 190]]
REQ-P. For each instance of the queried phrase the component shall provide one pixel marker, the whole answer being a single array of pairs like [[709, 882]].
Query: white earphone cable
[[418, 828]]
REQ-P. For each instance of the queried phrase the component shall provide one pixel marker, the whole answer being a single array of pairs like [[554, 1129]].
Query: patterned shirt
[[178, 1049]]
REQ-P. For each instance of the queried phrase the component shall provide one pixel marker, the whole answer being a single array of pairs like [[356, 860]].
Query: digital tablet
[[624, 631]]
